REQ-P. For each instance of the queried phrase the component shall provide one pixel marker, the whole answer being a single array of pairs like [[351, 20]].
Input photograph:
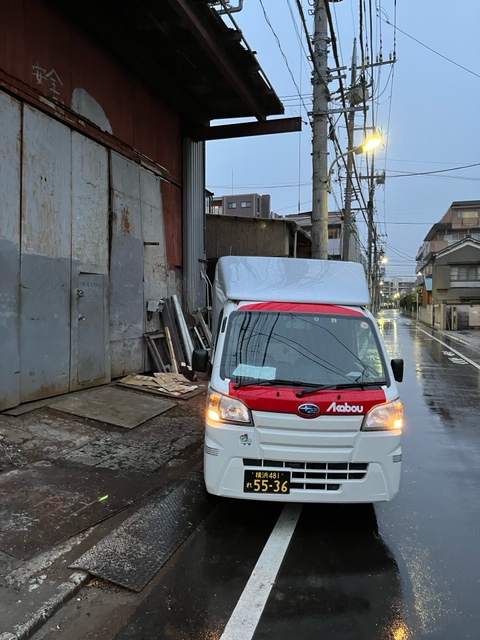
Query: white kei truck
[[302, 404]]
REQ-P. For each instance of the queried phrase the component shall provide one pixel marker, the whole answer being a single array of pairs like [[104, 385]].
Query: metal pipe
[[227, 7], [187, 340]]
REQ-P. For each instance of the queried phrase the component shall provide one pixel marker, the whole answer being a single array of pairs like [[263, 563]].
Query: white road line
[[474, 364], [245, 616]]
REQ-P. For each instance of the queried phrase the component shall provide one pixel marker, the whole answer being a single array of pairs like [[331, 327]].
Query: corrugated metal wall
[[10, 113], [47, 54], [91, 223], [194, 225], [82, 250], [126, 268], [45, 265], [172, 208], [90, 348]]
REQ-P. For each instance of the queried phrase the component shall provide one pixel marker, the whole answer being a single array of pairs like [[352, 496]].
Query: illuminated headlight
[[222, 408], [384, 417]]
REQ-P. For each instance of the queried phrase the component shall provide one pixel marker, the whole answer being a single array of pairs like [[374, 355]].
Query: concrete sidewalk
[[68, 480]]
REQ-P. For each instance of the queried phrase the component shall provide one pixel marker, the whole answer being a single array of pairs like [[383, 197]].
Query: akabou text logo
[[345, 407]]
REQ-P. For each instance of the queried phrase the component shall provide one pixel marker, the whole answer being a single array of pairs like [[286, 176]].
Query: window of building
[[232, 205], [469, 217], [453, 237], [469, 213], [333, 233], [246, 204], [465, 273]]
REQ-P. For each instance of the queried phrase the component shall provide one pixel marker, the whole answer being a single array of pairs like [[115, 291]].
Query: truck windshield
[[301, 348]]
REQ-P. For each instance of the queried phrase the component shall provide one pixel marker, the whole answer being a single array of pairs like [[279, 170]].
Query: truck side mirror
[[200, 360], [397, 368]]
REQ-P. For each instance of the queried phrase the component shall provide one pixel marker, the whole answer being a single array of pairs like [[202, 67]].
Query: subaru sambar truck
[[302, 403]]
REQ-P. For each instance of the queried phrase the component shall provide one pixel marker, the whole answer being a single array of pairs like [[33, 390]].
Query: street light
[[321, 189], [369, 144]]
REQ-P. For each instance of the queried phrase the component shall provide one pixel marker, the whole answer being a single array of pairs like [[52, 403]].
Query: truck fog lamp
[[385, 417]]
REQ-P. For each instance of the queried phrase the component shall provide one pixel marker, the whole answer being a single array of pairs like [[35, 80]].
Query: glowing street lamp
[[369, 144]]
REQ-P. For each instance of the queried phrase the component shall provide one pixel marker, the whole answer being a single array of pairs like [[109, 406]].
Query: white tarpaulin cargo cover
[[289, 280]]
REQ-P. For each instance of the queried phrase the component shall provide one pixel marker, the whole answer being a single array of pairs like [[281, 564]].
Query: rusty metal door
[[10, 114], [64, 243], [90, 362], [127, 311], [45, 257], [90, 295]]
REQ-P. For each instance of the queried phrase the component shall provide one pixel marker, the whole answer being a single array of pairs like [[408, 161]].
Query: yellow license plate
[[266, 482]]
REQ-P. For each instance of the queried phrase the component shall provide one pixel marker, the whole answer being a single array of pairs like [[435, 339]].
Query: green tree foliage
[[410, 301]]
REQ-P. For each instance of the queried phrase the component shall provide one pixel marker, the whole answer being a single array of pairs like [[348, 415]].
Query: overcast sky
[[427, 107]]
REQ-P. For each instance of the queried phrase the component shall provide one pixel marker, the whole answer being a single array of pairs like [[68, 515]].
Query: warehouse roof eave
[[184, 52]]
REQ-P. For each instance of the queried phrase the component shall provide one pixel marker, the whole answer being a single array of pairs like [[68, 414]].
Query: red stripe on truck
[[300, 308]]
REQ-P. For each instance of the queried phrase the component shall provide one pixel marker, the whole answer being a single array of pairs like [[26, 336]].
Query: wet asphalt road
[[409, 569], [405, 570]]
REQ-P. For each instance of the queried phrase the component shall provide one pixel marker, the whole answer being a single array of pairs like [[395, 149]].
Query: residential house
[[448, 265], [335, 234]]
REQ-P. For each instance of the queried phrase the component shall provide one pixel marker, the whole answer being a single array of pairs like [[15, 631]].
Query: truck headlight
[[383, 417], [222, 408]]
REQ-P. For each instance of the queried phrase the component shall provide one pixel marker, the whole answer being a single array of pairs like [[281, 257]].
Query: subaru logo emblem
[[309, 409]]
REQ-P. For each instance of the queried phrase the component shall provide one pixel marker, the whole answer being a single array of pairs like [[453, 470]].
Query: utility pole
[[375, 276], [320, 134], [371, 233], [347, 215]]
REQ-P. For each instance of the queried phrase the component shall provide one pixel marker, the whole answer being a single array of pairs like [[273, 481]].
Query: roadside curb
[[65, 591]]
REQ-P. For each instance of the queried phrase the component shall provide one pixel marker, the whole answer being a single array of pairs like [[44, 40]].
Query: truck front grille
[[323, 476]]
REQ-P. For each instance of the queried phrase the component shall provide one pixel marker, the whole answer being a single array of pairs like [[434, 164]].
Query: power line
[[430, 49], [429, 173], [425, 224], [267, 20]]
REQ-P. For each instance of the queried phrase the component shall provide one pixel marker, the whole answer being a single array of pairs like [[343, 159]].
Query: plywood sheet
[[113, 405]]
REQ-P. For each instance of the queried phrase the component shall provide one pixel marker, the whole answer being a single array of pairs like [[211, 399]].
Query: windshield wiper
[[273, 382], [342, 385]]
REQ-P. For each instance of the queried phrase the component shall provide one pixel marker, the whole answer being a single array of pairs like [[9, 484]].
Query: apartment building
[[246, 205], [461, 220], [448, 266]]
